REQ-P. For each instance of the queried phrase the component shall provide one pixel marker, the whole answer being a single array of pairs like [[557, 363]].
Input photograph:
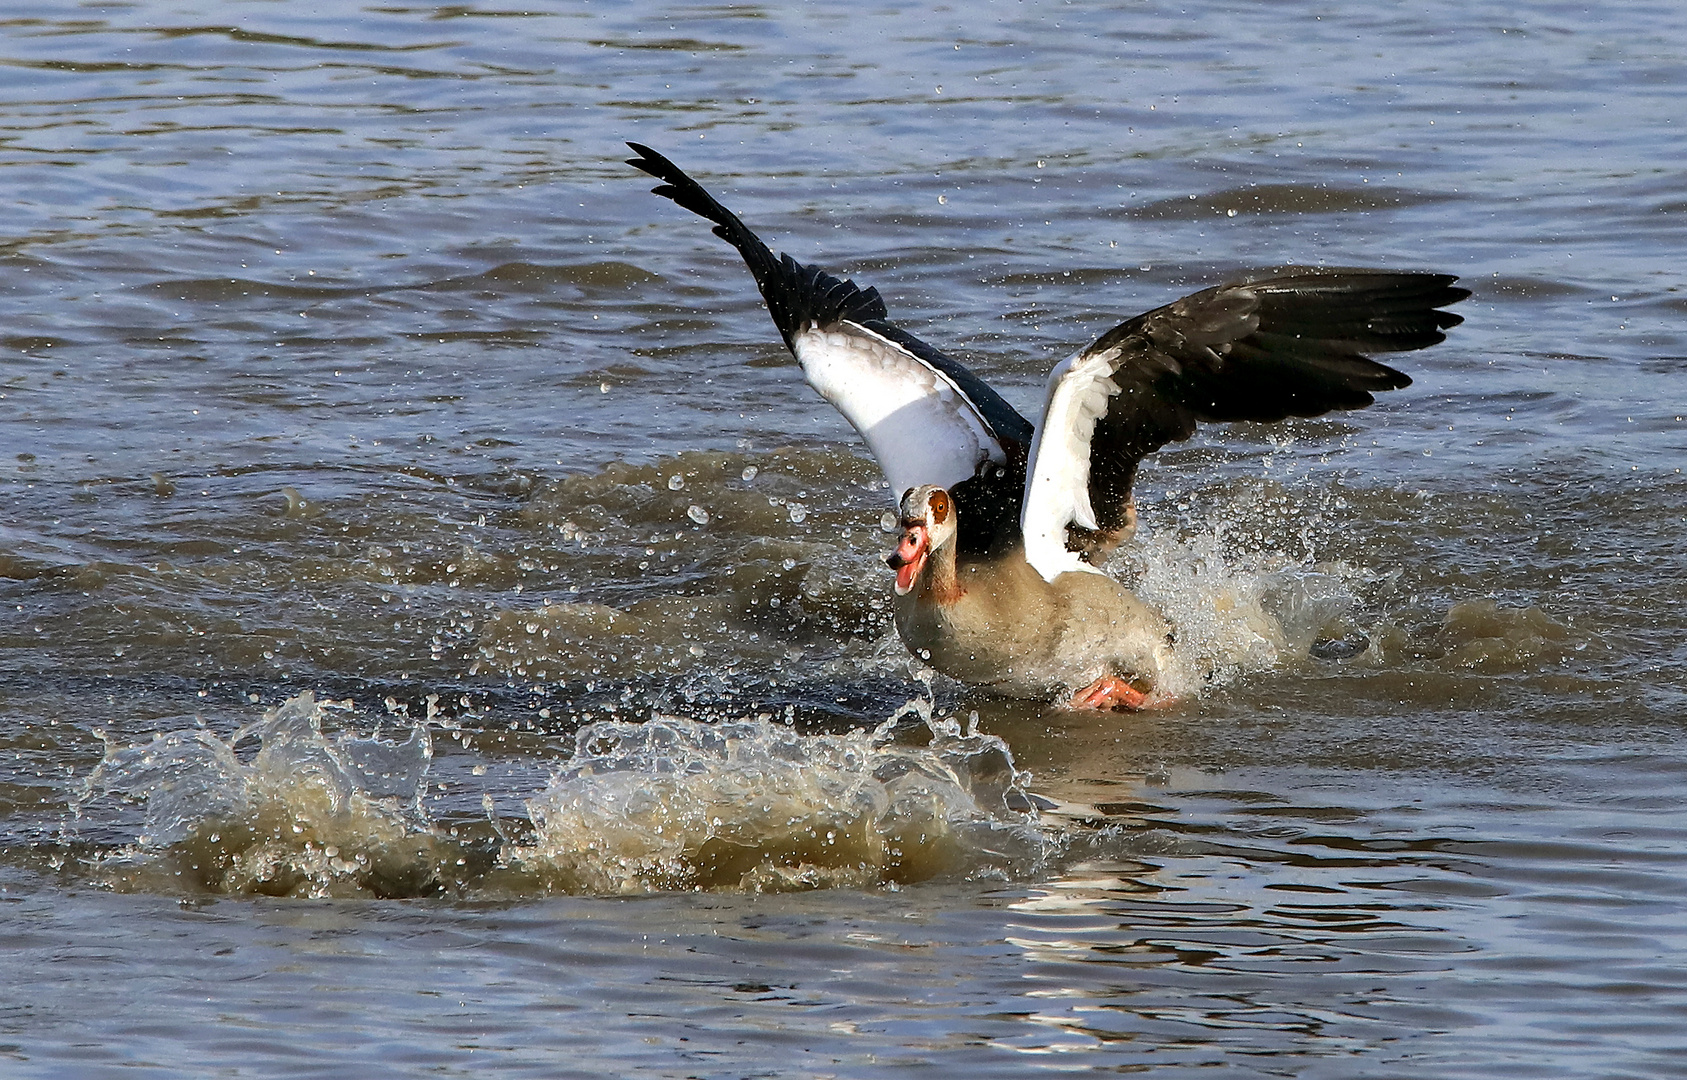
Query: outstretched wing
[[925, 417], [1264, 349]]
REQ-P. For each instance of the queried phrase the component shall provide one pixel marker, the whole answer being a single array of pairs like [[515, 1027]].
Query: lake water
[[442, 632]]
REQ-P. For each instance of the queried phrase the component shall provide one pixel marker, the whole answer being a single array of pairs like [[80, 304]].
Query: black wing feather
[[797, 296], [1260, 349]]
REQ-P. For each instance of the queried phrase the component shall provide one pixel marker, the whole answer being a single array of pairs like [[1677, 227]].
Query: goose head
[[927, 518]]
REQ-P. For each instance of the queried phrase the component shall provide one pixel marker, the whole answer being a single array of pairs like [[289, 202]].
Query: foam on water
[[667, 804]]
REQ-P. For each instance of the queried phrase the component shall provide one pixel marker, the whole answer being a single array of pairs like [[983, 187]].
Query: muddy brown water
[[442, 632]]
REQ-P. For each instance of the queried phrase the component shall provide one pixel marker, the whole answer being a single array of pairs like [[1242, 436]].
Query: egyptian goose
[[1004, 524]]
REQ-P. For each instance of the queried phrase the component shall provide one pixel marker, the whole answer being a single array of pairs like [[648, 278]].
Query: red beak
[[909, 558]]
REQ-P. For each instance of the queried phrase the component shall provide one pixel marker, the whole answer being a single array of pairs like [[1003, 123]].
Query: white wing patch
[[919, 425], [1057, 484]]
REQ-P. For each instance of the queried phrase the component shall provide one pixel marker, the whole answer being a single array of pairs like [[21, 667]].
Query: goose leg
[[1109, 693]]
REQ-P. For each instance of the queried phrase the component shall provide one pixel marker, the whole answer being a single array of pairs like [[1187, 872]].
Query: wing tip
[[649, 161]]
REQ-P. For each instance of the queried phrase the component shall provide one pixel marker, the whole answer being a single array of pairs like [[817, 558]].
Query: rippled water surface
[[442, 632]]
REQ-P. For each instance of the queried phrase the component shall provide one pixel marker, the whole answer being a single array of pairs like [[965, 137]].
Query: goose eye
[[938, 505]]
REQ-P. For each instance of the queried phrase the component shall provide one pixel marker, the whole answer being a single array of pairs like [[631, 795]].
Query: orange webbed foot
[[1109, 693]]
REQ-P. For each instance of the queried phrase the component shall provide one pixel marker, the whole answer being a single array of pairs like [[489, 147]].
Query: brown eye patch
[[938, 504]]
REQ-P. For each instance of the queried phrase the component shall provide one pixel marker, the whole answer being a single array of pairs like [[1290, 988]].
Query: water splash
[[1241, 584], [754, 805], [306, 814], [284, 808]]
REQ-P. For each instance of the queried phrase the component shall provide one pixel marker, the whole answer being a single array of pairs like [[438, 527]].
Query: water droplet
[[697, 513], [789, 564], [798, 512], [749, 473], [887, 522], [676, 482]]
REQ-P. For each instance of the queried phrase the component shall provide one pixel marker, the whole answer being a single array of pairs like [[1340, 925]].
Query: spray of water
[[284, 808]]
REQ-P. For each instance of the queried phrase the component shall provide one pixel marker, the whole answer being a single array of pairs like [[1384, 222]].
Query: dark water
[[343, 357]]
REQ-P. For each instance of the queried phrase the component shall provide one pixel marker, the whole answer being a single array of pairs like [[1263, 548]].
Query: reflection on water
[[342, 361]]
